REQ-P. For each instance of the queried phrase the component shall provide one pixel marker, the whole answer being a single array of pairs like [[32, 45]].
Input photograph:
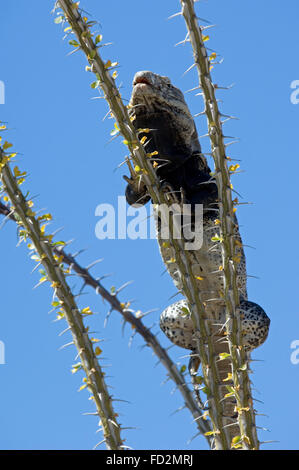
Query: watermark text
[[135, 222]]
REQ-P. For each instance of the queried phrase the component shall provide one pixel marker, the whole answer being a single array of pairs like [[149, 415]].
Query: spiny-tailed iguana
[[176, 155], [165, 125]]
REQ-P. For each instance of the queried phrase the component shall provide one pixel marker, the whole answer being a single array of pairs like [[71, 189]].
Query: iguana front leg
[[136, 192]]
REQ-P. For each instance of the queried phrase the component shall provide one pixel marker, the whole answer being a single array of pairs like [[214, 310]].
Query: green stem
[[94, 375], [85, 39], [241, 382]]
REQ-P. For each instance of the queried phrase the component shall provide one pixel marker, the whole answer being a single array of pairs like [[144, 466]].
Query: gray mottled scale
[[176, 323]]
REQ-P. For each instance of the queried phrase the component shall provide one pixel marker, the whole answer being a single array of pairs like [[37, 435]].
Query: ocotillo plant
[[225, 433], [232, 366], [131, 317], [90, 44], [53, 257], [241, 385], [30, 228]]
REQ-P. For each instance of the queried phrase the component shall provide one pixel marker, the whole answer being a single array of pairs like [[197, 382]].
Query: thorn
[[169, 347], [188, 70], [127, 160], [94, 263], [38, 284], [123, 287], [231, 424], [69, 242], [37, 266], [263, 429], [202, 19], [199, 417], [57, 231], [123, 401], [177, 410], [200, 114], [198, 87], [64, 331], [6, 218], [98, 444], [107, 317], [73, 51], [267, 442], [229, 117], [78, 252], [259, 401], [203, 28], [113, 422], [231, 143], [174, 295], [148, 312], [174, 15], [112, 138], [107, 114], [193, 437], [123, 328], [217, 87], [99, 279], [184, 41], [230, 137], [65, 345], [129, 427]]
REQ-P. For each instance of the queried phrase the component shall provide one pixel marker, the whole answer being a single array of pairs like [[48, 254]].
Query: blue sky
[[64, 145]]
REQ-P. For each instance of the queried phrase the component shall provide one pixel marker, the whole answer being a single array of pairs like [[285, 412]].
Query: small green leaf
[[58, 19], [199, 379], [216, 238], [76, 367], [184, 311], [223, 356], [6, 145], [98, 38], [212, 433], [236, 442], [58, 243], [73, 42], [94, 84]]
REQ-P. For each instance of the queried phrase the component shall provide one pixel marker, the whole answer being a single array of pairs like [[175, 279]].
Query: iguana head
[[167, 131], [156, 103]]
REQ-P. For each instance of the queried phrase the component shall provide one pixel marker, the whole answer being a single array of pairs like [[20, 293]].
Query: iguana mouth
[[141, 81]]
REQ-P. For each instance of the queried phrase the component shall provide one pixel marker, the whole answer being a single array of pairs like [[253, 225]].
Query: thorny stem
[[241, 382], [81, 29], [136, 323], [94, 375]]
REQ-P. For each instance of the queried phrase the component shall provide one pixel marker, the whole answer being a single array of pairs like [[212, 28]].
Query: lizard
[[160, 113]]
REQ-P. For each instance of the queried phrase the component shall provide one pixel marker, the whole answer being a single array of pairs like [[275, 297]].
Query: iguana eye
[[167, 81]]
